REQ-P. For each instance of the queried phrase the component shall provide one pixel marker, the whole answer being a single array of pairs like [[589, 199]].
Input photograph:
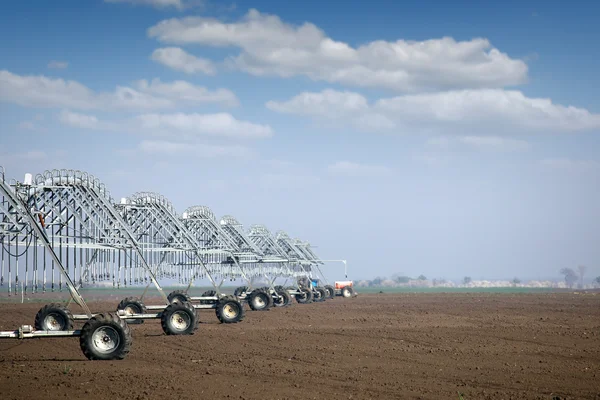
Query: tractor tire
[[306, 297], [347, 291], [178, 296], [53, 317], [105, 337], [132, 305], [322, 294], [208, 293], [179, 319], [283, 299], [330, 291], [240, 291], [260, 300], [229, 310], [317, 296]]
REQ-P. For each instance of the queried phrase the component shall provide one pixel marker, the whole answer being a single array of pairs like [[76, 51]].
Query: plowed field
[[374, 346]]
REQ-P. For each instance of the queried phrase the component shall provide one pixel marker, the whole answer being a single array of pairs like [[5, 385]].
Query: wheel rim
[[180, 320], [54, 322], [106, 339], [230, 311], [131, 309], [259, 302], [279, 300]]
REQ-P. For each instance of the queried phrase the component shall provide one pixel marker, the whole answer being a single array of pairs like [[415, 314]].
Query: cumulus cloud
[[285, 181], [182, 126], [26, 156], [174, 149], [490, 110], [77, 120], [178, 59], [177, 4], [571, 166], [182, 91], [58, 64], [347, 168], [339, 106], [493, 143], [42, 91], [26, 125], [193, 125], [270, 46], [505, 107], [328, 103]]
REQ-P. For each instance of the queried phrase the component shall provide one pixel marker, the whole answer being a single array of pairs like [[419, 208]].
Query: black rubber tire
[[240, 291], [183, 311], [53, 317], [115, 330], [284, 299], [322, 294], [347, 291], [330, 291], [135, 305], [254, 300], [307, 298], [228, 305], [208, 293], [316, 295], [178, 296]]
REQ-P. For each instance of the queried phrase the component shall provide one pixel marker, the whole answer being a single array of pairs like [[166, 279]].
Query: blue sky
[[444, 140]]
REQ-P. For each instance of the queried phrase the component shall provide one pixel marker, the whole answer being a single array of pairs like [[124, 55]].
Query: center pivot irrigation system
[[62, 230]]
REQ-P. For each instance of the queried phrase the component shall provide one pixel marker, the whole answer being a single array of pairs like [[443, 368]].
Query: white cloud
[[179, 60], [174, 149], [278, 164], [26, 125], [490, 110], [270, 46], [20, 157], [328, 103], [184, 127], [58, 64], [41, 91], [178, 4], [347, 168], [494, 143], [342, 106], [77, 120], [194, 125], [285, 181], [429, 159], [571, 166], [182, 91], [503, 107]]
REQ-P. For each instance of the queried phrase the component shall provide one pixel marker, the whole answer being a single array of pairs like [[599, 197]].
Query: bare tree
[[582, 269], [597, 280], [467, 280], [570, 276]]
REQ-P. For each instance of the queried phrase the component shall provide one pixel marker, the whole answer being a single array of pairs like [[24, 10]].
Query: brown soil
[[383, 346]]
